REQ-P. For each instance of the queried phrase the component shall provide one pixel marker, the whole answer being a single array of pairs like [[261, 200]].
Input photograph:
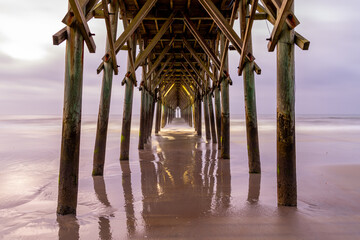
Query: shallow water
[[177, 187]]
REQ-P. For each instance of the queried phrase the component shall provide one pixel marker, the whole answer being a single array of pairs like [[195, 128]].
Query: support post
[[158, 116], [128, 100], [250, 97], [286, 154], [142, 134], [199, 124], [206, 117], [217, 102], [225, 113], [212, 119], [104, 107], [164, 114], [71, 126]]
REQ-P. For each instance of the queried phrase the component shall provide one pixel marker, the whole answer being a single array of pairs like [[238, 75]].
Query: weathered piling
[[104, 106], [225, 112], [286, 154], [212, 118], [128, 100], [164, 116], [198, 111], [217, 103], [142, 134], [250, 98], [70, 143], [158, 116], [206, 117]]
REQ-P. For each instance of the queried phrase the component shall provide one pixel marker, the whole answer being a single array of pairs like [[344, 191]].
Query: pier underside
[[183, 54]]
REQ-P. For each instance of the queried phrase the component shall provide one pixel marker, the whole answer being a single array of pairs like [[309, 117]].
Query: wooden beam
[[192, 76], [154, 41], [300, 41], [225, 27], [201, 63], [231, 22], [134, 24], [161, 70], [84, 28], [61, 35], [110, 36], [201, 40], [278, 26], [291, 19], [130, 52], [193, 68], [159, 59], [247, 33]]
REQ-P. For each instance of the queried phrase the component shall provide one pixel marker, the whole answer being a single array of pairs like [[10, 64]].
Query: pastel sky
[[327, 76]]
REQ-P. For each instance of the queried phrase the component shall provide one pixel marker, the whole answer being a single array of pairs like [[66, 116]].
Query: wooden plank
[[84, 28], [278, 26], [110, 36], [247, 34]]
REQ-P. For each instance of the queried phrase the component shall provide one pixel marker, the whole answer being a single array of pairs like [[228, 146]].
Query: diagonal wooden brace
[[110, 36], [280, 20], [225, 27], [247, 34], [82, 23]]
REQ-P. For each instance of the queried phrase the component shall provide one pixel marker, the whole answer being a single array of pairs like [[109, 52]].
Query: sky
[[32, 69]]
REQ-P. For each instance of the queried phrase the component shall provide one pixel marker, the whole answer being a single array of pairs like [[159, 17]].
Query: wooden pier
[[183, 55]]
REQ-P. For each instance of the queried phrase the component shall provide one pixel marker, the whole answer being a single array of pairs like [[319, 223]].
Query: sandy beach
[[177, 188]]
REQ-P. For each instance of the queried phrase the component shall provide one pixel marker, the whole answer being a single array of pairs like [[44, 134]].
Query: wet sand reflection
[[129, 198], [104, 221], [254, 188], [68, 227], [178, 182]]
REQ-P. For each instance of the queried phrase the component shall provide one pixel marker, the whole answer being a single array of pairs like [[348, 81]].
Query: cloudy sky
[[327, 76]]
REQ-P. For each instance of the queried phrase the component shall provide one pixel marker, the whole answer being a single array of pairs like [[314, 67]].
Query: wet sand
[[178, 188]]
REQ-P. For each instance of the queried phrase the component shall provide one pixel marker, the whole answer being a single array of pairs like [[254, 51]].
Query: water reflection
[[254, 188], [104, 222], [68, 227], [183, 180], [129, 198]]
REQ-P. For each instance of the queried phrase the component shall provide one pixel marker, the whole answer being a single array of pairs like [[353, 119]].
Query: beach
[[177, 187]]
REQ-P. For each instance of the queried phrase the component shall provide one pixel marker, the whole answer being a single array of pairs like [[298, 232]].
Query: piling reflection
[[68, 227], [254, 188], [129, 198], [104, 221], [184, 181]]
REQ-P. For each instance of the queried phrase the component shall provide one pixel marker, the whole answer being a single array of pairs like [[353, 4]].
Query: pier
[[183, 54]]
